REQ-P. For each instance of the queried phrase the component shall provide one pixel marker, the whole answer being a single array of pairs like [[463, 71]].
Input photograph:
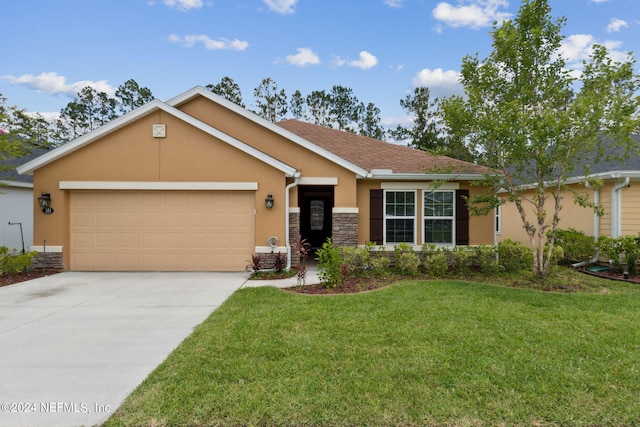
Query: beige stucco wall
[[132, 154], [308, 163]]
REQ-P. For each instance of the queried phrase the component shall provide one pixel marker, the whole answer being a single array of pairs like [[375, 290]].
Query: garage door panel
[[154, 230]]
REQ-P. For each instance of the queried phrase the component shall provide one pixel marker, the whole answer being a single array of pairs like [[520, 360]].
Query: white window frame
[[425, 218], [414, 217], [498, 220]]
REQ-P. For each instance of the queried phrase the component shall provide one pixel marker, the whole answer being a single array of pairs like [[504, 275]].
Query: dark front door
[[316, 206]]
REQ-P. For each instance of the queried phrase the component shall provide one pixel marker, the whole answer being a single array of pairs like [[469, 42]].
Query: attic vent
[[159, 131]]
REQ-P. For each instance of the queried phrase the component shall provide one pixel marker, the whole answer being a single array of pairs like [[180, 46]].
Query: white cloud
[[281, 6], [477, 14], [392, 122], [305, 56], [577, 48], [365, 62], [209, 44], [53, 84], [598, 1], [440, 83], [184, 4], [394, 3], [616, 25], [337, 61]]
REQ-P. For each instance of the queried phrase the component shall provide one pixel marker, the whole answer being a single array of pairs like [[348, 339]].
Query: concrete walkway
[[74, 345]]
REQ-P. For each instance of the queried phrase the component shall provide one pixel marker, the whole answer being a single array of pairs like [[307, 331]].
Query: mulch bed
[[9, 279], [351, 285], [610, 274]]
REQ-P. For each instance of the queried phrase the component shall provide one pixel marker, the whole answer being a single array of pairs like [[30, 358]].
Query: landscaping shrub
[[514, 256], [631, 245], [330, 264], [379, 265], [462, 259], [14, 263], [577, 246], [485, 258], [435, 264], [406, 260], [622, 251], [357, 258], [254, 265], [279, 262], [301, 249]]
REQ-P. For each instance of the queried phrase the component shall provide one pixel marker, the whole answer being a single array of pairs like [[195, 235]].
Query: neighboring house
[[199, 183], [16, 204], [619, 196]]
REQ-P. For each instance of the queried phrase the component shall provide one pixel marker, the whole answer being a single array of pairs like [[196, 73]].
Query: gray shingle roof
[[11, 174]]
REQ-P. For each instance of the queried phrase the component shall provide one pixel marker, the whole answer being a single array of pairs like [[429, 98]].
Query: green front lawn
[[416, 353]]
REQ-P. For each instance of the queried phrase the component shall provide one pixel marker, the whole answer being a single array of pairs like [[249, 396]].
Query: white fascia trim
[[269, 249], [199, 90], [17, 184], [426, 177], [47, 249], [146, 109], [318, 181], [154, 185], [345, 210], [583, 178], [419, 186]]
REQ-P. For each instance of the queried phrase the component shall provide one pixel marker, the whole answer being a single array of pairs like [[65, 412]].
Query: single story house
[[618, 196], [199, 183], [16, 204]]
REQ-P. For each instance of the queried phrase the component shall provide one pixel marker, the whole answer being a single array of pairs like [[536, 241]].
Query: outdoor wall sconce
[[45, 200], [268, 201]]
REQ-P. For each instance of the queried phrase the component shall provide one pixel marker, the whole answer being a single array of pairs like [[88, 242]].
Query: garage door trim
[[158, 186]]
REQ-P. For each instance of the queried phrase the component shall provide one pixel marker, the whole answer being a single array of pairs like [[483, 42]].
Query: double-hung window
[[439, 217], [400, 217]]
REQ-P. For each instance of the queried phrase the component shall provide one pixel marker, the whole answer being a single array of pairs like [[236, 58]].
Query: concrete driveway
[[74, 345]]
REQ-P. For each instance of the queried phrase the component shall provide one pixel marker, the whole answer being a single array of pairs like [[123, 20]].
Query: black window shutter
[[462, 218], [376, 216]]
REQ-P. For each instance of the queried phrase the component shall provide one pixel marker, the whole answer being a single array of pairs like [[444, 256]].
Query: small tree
[[536, 123], [130, 96], [20, 133], [228, 89], [271, 103], [425, 133]]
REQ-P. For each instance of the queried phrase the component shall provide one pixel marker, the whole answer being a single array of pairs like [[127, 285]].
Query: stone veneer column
[[345, 226], [48, 257], [294, 233]]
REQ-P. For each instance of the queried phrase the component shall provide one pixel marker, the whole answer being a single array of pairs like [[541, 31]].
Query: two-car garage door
[[162, 230]]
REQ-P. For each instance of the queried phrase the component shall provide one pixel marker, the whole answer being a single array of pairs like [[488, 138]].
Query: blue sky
[[381, 49]]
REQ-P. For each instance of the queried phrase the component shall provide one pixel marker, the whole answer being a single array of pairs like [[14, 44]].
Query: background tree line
[[337, 108]]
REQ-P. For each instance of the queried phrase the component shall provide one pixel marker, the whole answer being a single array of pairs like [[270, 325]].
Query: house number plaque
[[47, 211]]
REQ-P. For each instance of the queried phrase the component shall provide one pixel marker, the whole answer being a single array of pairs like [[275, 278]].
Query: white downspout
[[616, 214], [296, 180], [596, 217], [596, 228]]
